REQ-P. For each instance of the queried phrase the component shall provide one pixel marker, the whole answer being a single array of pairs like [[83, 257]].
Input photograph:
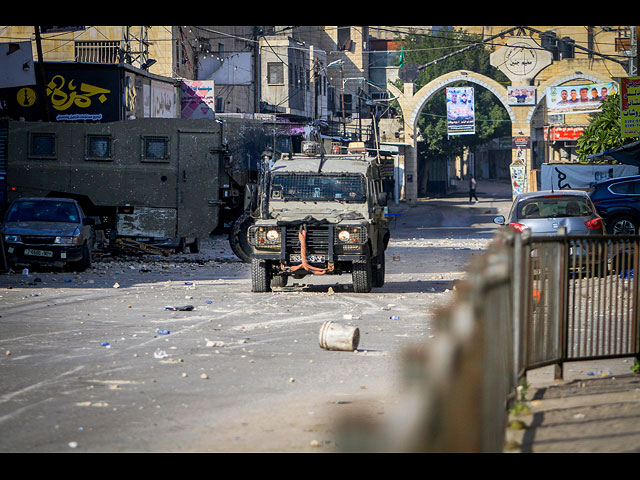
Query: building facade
[[340, 75]]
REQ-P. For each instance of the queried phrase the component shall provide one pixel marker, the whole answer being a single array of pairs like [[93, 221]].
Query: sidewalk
[[595, 409]]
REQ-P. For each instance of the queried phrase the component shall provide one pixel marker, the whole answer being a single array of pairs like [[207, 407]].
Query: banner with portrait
[[630, 107], [521, 95], [460, 111], [585, 98]]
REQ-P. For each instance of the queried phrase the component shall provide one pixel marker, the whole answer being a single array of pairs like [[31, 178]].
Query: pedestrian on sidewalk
[[472, 188]]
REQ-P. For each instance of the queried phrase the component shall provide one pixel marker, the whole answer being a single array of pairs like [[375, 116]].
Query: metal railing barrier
[[527, 302]]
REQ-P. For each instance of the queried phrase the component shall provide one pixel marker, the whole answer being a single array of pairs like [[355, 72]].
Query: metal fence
[[526, 303], [581, 298]]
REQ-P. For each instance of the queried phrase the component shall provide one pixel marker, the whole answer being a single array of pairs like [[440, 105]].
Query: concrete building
[[342, 74]]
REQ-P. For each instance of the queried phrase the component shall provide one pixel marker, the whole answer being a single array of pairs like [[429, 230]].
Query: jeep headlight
[[273, 236], [352, 234], [12, 238], [344, 235], [264, 237]]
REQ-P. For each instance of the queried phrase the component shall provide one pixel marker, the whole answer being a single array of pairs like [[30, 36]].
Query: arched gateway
[[412, 104], [521, 59]]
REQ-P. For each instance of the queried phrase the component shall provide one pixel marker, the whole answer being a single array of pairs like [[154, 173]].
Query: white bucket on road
[[334, 336]]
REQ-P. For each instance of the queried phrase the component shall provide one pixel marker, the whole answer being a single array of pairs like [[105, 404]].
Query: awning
[[628, 154]]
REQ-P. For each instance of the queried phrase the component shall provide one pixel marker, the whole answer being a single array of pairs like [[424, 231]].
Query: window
[[155, 149], [626, 188], [344, 38], [43, 211], [275, 73], [42, 145], [553, 206], [348, 104], [98, 147], [220, 104], [97, 51], [323, 187]]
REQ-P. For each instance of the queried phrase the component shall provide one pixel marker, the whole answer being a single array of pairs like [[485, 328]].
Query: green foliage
[[603, 132], [492, 119], [521, 406]]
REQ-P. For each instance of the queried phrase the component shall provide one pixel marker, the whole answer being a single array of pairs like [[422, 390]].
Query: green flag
[[401, 56]]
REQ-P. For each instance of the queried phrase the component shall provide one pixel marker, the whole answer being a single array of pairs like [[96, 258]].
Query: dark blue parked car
[[48, 231], [618, 203]]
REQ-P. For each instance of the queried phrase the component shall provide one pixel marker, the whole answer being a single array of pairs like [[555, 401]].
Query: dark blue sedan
[[617, 201]]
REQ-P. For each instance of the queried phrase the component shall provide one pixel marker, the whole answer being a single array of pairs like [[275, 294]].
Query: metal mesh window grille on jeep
[[314, 187]]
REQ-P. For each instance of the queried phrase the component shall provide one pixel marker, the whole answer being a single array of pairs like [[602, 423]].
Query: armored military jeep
[[320, 215]]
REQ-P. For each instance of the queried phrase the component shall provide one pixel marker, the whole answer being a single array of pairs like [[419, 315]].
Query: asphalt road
[[93, 362]]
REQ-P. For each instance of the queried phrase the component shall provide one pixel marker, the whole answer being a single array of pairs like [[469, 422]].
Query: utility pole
[[135, 47], [41, 83], [257, 32], [344, 127]]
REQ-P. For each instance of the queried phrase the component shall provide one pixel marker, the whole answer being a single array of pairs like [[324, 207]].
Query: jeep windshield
[[327, 187]]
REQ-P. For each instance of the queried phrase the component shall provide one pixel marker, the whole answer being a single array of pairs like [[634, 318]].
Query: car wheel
[[623, 226], [85, 263], [181, 245]]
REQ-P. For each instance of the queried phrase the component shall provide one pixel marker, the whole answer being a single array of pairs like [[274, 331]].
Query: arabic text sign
[[585, 98], [580, 176], [460, 111], [630, 107], [197, 98], [567, 133]]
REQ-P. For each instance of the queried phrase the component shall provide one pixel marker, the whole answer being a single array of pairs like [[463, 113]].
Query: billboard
[[521, 95], [564, 133], [460, 111], [197, 98], [73, 92], [630, 107], [585, 98]]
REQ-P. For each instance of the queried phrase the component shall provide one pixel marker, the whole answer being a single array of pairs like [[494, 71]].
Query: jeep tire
[[238, 237], [362, 275], [260, 276], [378, 271]]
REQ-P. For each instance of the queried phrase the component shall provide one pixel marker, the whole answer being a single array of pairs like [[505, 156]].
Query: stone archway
[[411, 104]]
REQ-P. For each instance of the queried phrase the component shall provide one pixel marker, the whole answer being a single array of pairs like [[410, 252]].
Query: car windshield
[[553, 206], [319, 187], [43, 211]]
